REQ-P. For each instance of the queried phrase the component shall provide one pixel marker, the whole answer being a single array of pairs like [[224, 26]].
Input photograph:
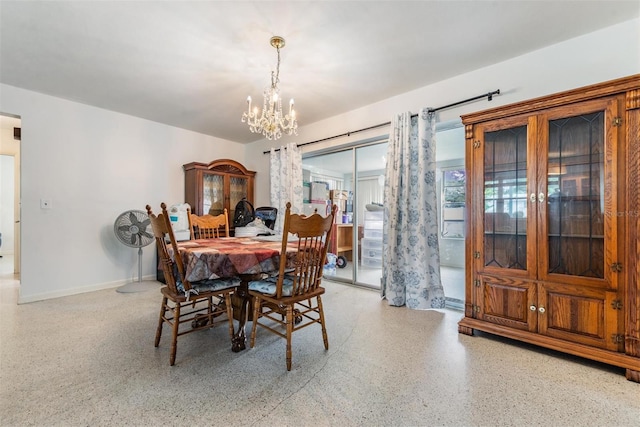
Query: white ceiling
[[191, 64]]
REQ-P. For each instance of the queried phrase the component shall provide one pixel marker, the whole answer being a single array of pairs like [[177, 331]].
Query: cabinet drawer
[[371, 244], [373, 234], [370, 224], [371, 262], [372, 253], [373, 215]]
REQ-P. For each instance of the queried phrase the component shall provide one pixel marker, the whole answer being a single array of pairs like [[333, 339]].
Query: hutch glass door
[[505, 198], [575, 189]]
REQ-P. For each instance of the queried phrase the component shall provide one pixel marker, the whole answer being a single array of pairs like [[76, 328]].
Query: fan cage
[[132, 228]]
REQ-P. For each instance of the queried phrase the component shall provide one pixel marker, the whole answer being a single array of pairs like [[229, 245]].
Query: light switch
[[45, 204]]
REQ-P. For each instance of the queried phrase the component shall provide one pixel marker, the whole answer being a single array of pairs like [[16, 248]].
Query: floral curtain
[[286, 181], [411, 266]]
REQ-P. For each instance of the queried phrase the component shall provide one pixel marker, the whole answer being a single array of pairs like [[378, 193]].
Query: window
[[453, 203]]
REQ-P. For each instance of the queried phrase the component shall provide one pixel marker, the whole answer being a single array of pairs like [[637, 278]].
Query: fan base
[[141, 286]]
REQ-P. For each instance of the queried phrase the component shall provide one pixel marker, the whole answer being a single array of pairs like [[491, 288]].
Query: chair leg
[[227, 302], [174, 339], [325, 337], [163, 310], [289, 332], [256, 314], [210, 311]]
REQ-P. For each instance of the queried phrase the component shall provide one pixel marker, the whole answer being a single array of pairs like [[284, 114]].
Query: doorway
[[10, 136], [352, 178]]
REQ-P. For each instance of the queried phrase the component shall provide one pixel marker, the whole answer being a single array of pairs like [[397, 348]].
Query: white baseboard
[[75, 291]]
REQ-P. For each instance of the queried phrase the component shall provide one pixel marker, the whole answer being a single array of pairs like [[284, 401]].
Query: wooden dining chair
[[208, 226], [187, 306], [284, 303]]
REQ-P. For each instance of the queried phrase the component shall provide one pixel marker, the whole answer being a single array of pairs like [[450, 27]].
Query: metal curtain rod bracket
[[488, 95]]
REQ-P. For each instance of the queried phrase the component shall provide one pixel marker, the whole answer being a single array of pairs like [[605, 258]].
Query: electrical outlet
[[45, 204]]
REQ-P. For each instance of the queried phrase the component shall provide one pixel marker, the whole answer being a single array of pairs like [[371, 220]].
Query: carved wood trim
[[625, 84], [221, 165], [633, 99], [632, 218], [465, 330], [468, 246], [468, 132], [588, 352], [632, 375]]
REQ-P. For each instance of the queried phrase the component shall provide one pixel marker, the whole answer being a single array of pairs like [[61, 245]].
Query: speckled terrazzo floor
[[89, 360]]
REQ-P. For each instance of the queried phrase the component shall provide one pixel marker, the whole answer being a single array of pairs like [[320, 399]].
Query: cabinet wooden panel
[[549, 208], [579, 313], [211, 188], [507, 301]]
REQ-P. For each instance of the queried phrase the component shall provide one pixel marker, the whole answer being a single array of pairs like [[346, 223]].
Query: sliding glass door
[[370, 165], [353, 179]]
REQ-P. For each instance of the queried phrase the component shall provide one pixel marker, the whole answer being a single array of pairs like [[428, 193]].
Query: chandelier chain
[[271, 122], [274, 83]]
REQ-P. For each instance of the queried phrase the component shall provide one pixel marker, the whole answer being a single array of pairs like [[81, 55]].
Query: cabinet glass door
[[238, 189], [505, 198], [575, 188], [213, 194]]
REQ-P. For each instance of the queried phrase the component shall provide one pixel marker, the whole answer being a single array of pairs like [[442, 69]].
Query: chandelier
[[270, 122]]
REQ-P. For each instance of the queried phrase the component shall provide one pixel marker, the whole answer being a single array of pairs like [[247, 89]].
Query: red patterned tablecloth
[[229, 256]]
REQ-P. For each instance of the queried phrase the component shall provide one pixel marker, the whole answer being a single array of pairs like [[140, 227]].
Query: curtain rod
[[488, 95]]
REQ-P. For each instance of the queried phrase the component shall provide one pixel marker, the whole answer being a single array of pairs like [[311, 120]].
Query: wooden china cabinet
[[554, 215], [211, 188]]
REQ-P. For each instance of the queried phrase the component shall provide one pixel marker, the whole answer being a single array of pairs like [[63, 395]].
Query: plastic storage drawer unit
[[373, 234], [371, 262], [373, 215], [371, 244]]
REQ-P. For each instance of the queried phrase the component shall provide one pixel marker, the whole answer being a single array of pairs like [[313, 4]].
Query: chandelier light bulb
[[271, 122]]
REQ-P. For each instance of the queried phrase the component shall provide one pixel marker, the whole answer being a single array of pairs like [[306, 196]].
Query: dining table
[[249, 258]]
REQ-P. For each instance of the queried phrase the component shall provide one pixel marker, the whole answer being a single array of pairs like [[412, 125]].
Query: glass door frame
[[353, 148]]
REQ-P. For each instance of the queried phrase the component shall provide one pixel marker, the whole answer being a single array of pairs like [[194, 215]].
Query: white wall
[[93, 164], [607, 54], [7, 184]]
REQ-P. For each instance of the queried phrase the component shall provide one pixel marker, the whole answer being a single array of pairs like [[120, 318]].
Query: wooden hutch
[[553, 246], [211, 188]]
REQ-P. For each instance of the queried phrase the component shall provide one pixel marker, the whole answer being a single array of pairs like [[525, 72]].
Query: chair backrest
[[208, 226], [173, 270], [313, 233]]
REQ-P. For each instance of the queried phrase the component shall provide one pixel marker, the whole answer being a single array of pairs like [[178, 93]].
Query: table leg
[[239, 338], [242, 294]]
